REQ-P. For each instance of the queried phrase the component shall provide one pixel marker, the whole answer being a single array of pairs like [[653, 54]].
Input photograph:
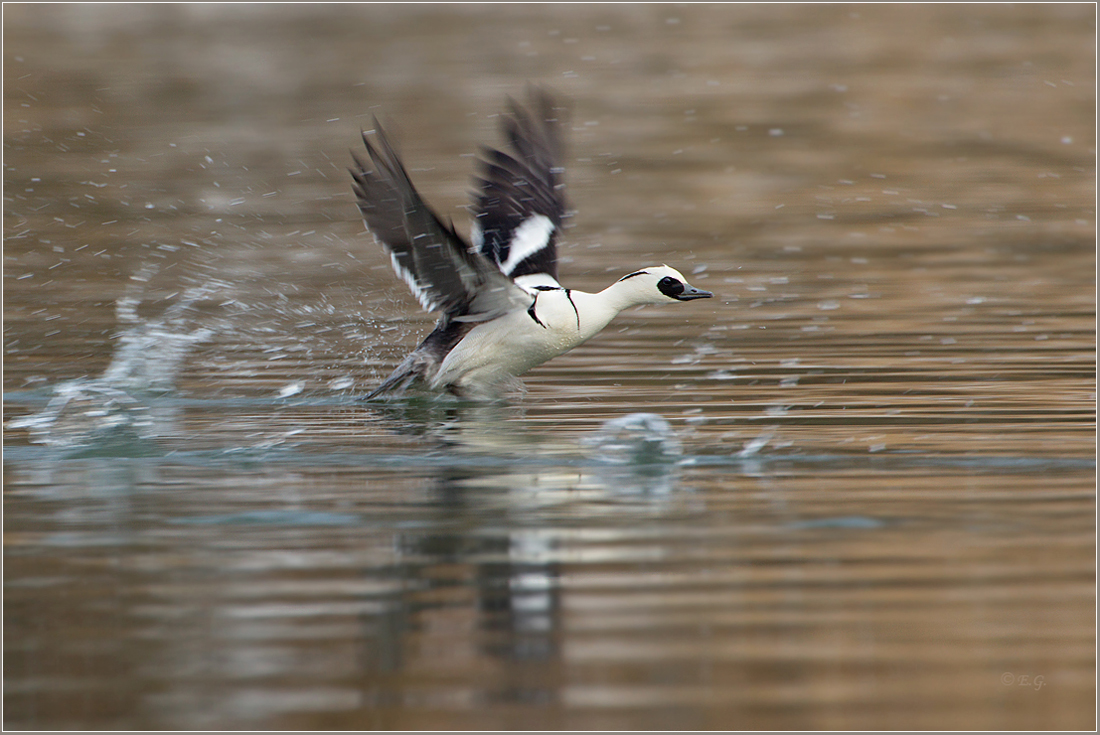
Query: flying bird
[[502, 310]]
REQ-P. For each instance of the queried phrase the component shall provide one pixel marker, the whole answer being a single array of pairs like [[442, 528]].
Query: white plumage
[[503, 310], [528, 239]]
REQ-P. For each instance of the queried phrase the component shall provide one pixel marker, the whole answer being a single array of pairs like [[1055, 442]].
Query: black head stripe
[[635, 273]]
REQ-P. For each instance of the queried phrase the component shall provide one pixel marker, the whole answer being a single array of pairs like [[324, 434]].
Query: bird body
[[503, 310]]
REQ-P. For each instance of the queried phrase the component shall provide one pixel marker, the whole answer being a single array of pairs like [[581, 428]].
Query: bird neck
[[596, 310], [625, 294]]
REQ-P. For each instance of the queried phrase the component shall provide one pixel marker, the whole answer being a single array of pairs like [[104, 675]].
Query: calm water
[[861, 494]]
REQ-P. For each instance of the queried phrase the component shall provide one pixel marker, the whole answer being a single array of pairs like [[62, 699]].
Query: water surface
[[861, 491]]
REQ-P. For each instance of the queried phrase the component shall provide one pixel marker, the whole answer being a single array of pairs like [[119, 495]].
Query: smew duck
[[502, 309]]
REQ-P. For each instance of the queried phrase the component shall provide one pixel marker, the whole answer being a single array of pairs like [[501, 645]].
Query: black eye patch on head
[[670, 287]]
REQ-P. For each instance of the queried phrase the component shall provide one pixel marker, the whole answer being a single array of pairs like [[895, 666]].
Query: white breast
[[509, 346]]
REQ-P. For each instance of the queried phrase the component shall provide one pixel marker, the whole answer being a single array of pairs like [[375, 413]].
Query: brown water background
[[864, 493]]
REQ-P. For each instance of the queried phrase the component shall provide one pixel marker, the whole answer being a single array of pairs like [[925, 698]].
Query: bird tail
[[412, 369], [422, 363]]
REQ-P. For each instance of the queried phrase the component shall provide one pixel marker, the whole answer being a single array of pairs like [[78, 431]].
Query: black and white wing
[[442, 271], [521, 202]]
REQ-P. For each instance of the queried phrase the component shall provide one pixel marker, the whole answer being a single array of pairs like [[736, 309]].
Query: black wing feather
[[440, 268], [516, 186]]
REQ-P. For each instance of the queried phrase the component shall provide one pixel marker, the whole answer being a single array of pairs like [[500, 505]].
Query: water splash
[[118, 405], [753, 446], [150, 352], [635, 439], [640, 453]]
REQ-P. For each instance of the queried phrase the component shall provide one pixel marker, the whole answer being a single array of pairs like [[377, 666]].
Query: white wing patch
[[529, 238], [531, 282], [422, 294], [477, 237]]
